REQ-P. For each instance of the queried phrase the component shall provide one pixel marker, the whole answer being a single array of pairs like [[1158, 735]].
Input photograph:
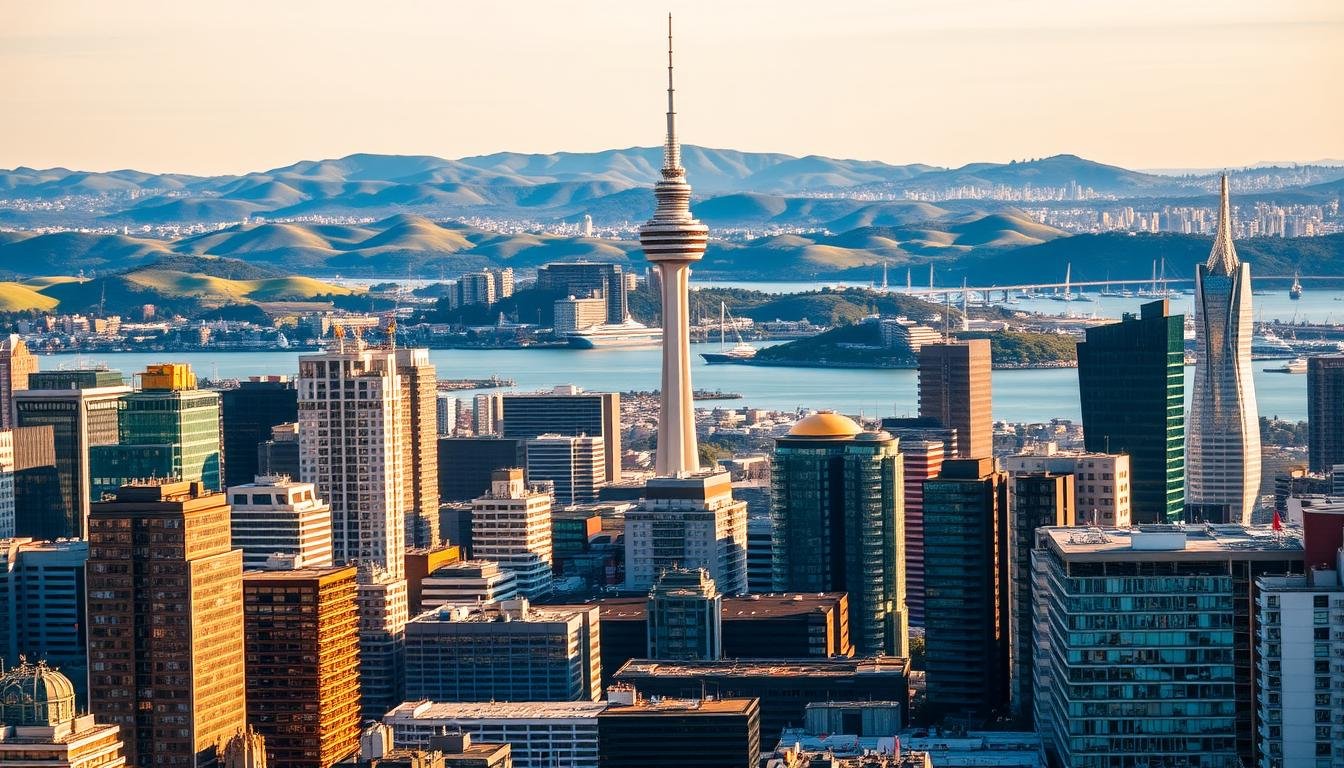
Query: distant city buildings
[[568, 410], [16, 362]]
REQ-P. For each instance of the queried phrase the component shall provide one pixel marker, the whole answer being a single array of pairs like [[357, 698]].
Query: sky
[[210, 88]]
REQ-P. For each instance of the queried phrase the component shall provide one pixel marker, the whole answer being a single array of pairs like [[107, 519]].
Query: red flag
[[1278, 521]]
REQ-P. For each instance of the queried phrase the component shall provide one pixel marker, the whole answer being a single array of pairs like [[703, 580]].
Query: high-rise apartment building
[[954, 388], [1039, 499], [247, 416], [1325, 412], [419, 394], [446, 409], [40, 724], [1131, 383], [575, 465], [1222, 441], [277, 516], [692, 522], [81, 408], [165, 612], [570, 411], [588, 281], [510, 651], [924, 445], [966, 589], [166, 429], [1103, 482], [685, 616], [1143, 642], [16, 362], [42, 598], [466, 464], [301, 635], [511, 525], [839, 524]]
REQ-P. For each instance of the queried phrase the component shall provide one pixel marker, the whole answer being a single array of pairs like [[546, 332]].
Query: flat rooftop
[[752, 607], [663, 706], [1166, 541], [498, 710], [837, 667]]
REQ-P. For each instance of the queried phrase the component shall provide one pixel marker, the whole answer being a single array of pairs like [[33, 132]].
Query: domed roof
[[825, 424], [35, 694]]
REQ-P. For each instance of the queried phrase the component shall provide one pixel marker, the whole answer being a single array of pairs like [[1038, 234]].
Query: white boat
[[1296, 365], [1267, 344], [738, 353], [627, 334]]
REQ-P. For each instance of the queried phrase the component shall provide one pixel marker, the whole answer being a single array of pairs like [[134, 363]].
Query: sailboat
[[1295, 292], [740, 352]]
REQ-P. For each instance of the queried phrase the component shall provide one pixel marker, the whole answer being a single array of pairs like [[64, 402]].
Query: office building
[[1222, 440], [839, 524], [1325, 412], [689, 733], [159, 558], [586, 281], [1155, 660], [301, 637], [511, 525], [1103, 482], [1300, 679], [248, 414], [572, 314], [1131, 383], [543, 734], [419, 396], [16, 362], [466, 464], [784, 686], [760, 554], [277, 516], [568, 410], [40, 724], [967, 590], [420, 563], [355, 447], [572, 532], [1039, 499], [692, 522], [575, 465], [42, 599], [468, 582], [81, 408], [446, 408], [511, 651], [31, 472], [279, 456], [924, 445], [486, 418], [685, 617], [954, 389]]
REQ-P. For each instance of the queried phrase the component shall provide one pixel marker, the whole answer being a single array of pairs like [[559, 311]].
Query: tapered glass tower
[[1223, 429]]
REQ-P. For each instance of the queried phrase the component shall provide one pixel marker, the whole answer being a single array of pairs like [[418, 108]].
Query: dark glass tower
[[248, 413], [1325, 412], [1131, 379]]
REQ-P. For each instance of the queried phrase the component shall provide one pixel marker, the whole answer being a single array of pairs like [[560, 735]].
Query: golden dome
[[825, 424]]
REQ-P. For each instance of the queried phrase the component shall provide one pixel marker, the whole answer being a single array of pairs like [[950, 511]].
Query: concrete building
[[159, 558], [506, 652], [690, 733], [1222, 441], [1131, 382], [469, 582], [1155, 660], [575, 465], [446, 409], [16, 362], [568, 410], [573, 314], [42, 599], [466, 464], [588, 281], [685, 617], [954, 389], [276, 515], [420, 563], [839, 524], [419, 396], [247, 416], [1039, 499], [967, 590], [543, 734], [81, 409], [39, 724], [1325, 412], [1102, 482], [301, 635], [690, 521], [511, 525]]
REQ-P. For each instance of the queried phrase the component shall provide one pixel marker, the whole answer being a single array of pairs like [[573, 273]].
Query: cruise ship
[[627, 334]]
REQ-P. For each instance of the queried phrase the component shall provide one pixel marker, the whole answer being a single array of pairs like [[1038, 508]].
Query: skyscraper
[[1325, 412], [165, 611], [839, 524], [1039, 499], [1222, 444], [81, 408], [419, 394], [685, 616], [511, 525], [954, 388], [42, 598], [693, 522], [1131, 382], [925, 444], [247, 415], [568, 410], [967, 591], [576, 465], [16, 362]]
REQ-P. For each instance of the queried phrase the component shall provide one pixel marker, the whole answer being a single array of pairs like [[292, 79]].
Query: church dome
[[826, 424], [35, 694]]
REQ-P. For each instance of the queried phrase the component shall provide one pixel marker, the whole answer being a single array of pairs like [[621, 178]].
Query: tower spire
[[671, 149], [1223, 258]]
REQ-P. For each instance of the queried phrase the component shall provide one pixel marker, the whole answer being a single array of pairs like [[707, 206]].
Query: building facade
[[690, 733], [575, 466], [469, 582], [511, 525], [247, 415], [925, 444], [543, 733], [419, 396], [1325, 412], [16, 362], [685, 616], [1103, 487], [1039, 499], [277, 516], [39, 724], [42, 597], [570, 411], [466, 464], [692, 522], [954, 389]]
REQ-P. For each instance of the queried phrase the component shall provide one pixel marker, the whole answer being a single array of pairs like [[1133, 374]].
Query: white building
[[1222, 440], [468, 582], [7, 501], [1300, 677], [543, 734], [511, 525], [1100, 482], [576, 464], [277, 516], [573, 314], [445, 414], [692, 522]]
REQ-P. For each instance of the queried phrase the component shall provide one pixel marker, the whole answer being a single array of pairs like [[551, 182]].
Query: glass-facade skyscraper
[[1131, 381]]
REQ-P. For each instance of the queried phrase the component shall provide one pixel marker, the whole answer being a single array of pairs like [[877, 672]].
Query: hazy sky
[[215, 87]]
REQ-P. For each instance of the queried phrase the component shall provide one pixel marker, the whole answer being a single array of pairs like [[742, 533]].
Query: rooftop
[[1203, 538], [669, 706], [497, 710], [837, 667], [746, 607], [826, 424]]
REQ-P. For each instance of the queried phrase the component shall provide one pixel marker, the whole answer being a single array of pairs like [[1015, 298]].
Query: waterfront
[[1019, 395]]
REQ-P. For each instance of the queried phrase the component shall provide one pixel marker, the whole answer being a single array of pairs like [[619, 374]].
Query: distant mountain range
[[610, 185]]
